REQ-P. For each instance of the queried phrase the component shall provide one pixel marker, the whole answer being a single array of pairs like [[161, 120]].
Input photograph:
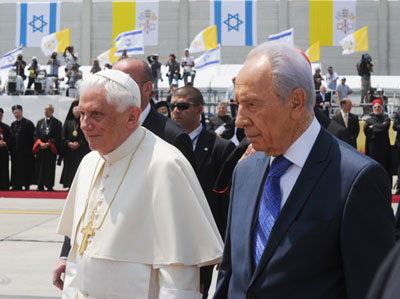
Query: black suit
[[332, 233], [319, 100], [386, 283], [353, 127], [210, 153], [5, 135], [169, 131]]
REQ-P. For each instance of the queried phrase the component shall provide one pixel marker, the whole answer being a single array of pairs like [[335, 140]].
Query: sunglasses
[[181, 106]]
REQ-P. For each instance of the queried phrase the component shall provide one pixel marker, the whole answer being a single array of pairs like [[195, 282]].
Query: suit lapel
[[203, 147], [341, 119], [315, 165], [256, 181]]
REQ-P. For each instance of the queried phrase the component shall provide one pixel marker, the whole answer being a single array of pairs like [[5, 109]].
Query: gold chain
[[91, 221]]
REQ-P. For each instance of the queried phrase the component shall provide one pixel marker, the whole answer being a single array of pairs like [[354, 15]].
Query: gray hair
[[290, 70], [121, 90]]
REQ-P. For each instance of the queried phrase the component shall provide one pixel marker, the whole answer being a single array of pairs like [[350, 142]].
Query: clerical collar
[[298, 152], [144, 114], [125, 148]]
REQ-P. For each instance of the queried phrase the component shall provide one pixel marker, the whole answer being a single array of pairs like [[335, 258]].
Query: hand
[[57, 272], [250, 151], [3, 143]]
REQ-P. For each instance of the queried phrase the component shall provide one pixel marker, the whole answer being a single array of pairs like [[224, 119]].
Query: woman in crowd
[[74, 144]]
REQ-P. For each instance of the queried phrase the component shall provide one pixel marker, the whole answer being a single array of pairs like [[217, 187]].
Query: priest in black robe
[[22, 159], [46, 148], [377, 142], [74, 145], [222, 118], [4, 153]]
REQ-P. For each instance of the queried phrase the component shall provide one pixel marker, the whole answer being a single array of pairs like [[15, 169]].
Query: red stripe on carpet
[[34, 194]]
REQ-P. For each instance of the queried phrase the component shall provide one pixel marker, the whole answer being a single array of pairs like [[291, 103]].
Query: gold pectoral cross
[[87, 232]]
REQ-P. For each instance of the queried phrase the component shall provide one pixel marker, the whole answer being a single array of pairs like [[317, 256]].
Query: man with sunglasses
[[158, 124], [210, 151]]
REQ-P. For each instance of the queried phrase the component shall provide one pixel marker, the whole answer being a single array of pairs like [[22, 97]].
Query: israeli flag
[[36, 20], [236, 21], [284, 36], [207, 59], [8, 59], [131, 41]]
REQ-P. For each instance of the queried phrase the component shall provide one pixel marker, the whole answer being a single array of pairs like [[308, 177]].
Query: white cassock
[[159, 229]]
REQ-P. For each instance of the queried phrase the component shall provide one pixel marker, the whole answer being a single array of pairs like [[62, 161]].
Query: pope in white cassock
[[139, 223]]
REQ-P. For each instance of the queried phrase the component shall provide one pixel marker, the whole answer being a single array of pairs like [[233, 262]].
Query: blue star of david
[[233, 17], [42, 23], [207, 57], [128, 42]]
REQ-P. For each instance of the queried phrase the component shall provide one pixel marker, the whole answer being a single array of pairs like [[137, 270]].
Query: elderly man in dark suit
[[210, 151], [158, 124], [349, 121], [309, 216]]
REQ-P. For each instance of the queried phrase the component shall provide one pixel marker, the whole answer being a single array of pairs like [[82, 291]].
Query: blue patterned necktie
[[269, 206]]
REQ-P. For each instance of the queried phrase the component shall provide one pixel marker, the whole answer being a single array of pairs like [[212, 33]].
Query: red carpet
[[395, 198], [34, 194]]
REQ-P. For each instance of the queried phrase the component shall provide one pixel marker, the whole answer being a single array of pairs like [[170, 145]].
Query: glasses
[[377, 107], [181, 106]]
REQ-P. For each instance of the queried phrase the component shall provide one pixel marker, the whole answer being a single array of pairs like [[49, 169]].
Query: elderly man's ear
[[133, 117], [297, 103]]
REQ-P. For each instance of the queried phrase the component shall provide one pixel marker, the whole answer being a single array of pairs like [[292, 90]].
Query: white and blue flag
[[236, 21], [284, 36], [8, 59], [131, 41], [36, 20], [208, 59]]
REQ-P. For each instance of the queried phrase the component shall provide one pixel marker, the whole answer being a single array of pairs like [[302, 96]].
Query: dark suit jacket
[[353, 127], [171, 132], [330, 237], [211, 152], [386, 282], [319, 100]]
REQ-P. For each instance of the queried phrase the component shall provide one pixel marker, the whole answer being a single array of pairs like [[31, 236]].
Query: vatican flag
[[56, 42], [205, 40], [108, 57], [314, 52], [355, 42]]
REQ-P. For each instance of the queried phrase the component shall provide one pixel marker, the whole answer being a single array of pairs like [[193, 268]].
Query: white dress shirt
[[195, 134], [297, 154], [144, 114], [345, 118]]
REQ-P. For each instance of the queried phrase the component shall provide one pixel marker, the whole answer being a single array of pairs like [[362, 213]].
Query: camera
[[366, 58]]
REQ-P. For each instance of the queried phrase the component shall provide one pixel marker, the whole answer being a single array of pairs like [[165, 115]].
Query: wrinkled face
[[17, 113], [48, 111], [103, 126], [188, 118], [378, 109], [222, 110], [75, 112], [262, 113], [163, 110]]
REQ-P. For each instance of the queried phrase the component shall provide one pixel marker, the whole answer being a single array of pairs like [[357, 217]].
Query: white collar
[[196, 132], [126, 147], [144, 114], [298, 152]]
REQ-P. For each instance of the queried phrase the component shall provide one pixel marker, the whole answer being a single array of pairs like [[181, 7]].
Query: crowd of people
[[162, 195]]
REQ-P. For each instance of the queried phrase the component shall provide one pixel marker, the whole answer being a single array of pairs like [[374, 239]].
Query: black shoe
[[40, 188], [16, 188], [50, 189], [27, 188], [398, 192]]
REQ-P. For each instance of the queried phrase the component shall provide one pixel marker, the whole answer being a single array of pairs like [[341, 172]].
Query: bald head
[[346, 105], [140, 72]]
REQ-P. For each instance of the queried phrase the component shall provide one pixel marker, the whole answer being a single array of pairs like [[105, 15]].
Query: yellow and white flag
[[331, 20], [205, 40], [56, 42], [130, 15], [314, 52], [108, 57], [355, 42]]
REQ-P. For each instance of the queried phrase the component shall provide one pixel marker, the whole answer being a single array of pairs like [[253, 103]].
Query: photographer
[[155, 66], [174, 69], [20, 65], [73, 75], [54, 63], [187, 62], [33, 71], [365, 68], [70, 58]]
